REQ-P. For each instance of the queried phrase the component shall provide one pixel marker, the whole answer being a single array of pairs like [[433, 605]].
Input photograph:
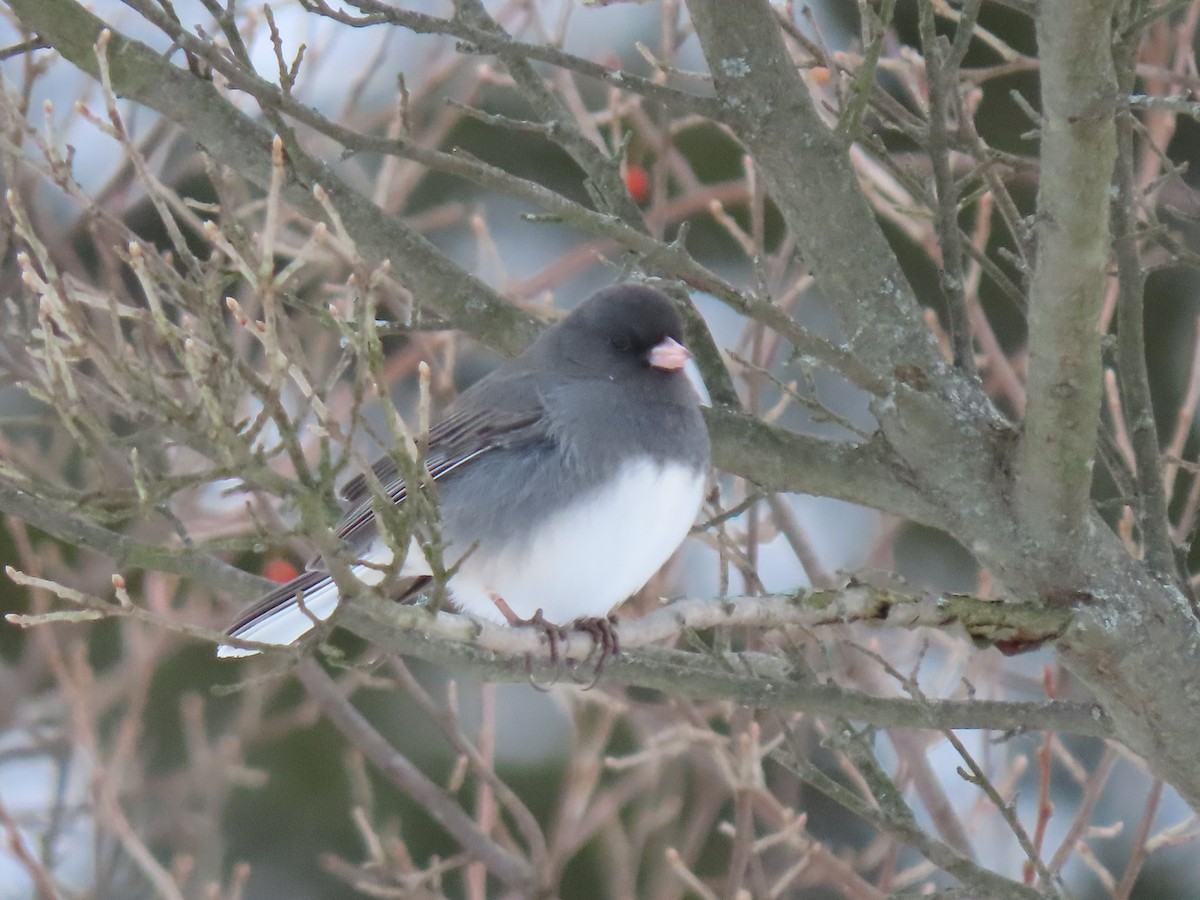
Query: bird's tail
[[286, 614]]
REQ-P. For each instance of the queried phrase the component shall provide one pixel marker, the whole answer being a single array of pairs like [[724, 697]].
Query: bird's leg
[[604, 638], [554, 634]]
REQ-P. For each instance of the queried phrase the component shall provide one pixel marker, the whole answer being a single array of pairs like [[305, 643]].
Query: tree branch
[[606, 186], [773, 114], [486, 40], [941, 76], [126, 552], [1057, 449], [986, 621], [752, 679], [896, 819], [443, 808], [1137, 403], [767, 681]]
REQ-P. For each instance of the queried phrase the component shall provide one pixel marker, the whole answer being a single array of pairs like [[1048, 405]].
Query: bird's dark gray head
[[623, 330]]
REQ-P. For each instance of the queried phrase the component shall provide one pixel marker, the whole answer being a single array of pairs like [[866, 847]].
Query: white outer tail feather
[[286, 624]]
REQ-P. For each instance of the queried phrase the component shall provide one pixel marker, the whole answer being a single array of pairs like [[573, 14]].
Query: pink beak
[[669, 355]]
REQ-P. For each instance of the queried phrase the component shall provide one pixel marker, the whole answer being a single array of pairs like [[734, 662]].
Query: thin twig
[[444, 809]]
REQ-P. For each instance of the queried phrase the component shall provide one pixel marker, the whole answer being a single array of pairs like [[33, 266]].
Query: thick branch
[[867, 474], [807, 168], [753, 679], [986, 621], [1079, 90], [126, 552], [500, 653]]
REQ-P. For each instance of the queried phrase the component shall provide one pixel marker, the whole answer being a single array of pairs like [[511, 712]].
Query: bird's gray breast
[[592, 431]]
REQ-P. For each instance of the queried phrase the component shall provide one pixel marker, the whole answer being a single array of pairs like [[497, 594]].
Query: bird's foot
[[554, 635], [605, 640], [603, 632]]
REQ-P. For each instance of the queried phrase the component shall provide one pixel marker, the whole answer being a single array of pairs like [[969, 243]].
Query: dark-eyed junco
[[566, 478]]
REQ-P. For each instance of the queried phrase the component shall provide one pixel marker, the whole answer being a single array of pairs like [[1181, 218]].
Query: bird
[[566, 478]]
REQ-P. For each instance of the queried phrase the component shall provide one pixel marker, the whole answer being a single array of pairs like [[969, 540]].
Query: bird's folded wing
[[468, 432], [496, 413]]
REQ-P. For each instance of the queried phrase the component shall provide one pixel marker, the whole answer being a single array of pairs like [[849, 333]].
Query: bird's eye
[[621, 343]]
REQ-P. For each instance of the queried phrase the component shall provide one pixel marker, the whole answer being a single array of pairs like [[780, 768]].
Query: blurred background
[[224, 776]]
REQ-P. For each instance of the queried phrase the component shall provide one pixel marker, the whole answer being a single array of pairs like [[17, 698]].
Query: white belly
[[583, 561], [590, 556]]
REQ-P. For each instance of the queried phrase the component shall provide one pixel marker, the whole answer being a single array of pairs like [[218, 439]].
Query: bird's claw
[[602, 630]]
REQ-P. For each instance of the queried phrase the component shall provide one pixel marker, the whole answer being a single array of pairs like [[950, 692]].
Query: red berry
[[637, 182], [279, 570]]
